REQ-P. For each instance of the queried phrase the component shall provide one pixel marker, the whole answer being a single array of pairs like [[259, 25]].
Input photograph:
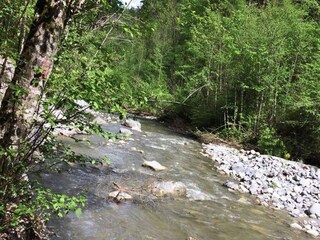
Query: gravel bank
[[276, 182]]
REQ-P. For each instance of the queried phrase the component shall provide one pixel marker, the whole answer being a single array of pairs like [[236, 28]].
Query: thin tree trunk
[[235, 113]]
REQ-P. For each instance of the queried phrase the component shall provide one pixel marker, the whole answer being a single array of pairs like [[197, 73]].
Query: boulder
[[134, 125], [154, 165], [119, 196], [169, 188]]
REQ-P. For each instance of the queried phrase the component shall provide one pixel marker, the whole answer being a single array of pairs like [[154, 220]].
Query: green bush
[[270, 143]]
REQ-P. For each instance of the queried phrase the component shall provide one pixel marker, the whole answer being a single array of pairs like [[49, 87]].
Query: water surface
[[209, 211]]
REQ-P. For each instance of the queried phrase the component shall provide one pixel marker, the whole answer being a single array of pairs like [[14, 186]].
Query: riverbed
[[209, 211]]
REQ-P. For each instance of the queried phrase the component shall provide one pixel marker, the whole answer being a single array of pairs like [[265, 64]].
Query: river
[[209, 211]]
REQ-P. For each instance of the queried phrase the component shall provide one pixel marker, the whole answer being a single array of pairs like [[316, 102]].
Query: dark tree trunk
[[19, 105]]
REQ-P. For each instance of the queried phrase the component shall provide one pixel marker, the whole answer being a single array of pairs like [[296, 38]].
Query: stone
[[134, 125], [315, 209], [82, 103], [100, 121], [58, 114], [253, 190], [299, 199], [284, 184], [313, 232], [283, 198], [66, 130], [231, 185], [297, 189], [154, 165], [119, 196], [125, 131], [295, 212], [137, 150], [296, 226], [243, 189], [168, 188], [304, 182], [307, 226]]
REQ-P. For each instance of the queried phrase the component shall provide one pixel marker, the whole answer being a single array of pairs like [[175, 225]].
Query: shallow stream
[[209, 211]]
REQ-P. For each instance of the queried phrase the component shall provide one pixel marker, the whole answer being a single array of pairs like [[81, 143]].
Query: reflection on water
[[209, 211]]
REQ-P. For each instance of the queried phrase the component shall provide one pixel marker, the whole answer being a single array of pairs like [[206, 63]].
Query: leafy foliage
[[248, 70], [269, 143], [241, 68]]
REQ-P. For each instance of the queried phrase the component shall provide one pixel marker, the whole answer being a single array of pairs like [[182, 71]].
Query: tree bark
[[19, 105]]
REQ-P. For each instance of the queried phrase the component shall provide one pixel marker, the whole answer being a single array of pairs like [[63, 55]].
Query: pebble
[[154, 165], [276, 182], [315, 209], [297, 189]]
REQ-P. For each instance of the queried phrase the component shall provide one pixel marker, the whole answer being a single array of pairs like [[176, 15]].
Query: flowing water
[[209, 211]]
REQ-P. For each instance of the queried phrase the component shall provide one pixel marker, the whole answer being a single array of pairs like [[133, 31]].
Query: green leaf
[[78, 212]]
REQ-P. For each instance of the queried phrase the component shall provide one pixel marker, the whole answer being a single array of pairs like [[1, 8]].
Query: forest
[[247, 71]]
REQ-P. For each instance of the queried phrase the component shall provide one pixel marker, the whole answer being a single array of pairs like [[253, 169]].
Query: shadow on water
[[208, 212]]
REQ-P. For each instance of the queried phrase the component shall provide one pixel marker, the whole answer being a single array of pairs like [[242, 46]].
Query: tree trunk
[[19, 105]]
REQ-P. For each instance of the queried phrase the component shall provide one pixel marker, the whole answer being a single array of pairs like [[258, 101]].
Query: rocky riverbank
[[275, 182]]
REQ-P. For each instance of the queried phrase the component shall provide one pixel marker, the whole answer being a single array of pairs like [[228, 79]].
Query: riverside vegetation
[[247, 71]]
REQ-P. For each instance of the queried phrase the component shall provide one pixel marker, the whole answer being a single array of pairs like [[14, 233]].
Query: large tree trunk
[[19, 105]]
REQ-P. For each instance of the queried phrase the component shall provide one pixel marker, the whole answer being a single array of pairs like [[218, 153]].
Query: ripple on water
[[208, 212]]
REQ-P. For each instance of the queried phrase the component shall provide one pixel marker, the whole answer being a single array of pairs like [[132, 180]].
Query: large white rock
[[154, 165]]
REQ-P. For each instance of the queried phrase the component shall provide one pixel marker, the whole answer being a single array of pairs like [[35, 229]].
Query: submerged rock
[[198, 195], [119, 196], [134, 125], [169, 188], [154, 165]]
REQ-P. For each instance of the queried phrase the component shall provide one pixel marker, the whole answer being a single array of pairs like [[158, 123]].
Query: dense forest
[[247, 71]]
